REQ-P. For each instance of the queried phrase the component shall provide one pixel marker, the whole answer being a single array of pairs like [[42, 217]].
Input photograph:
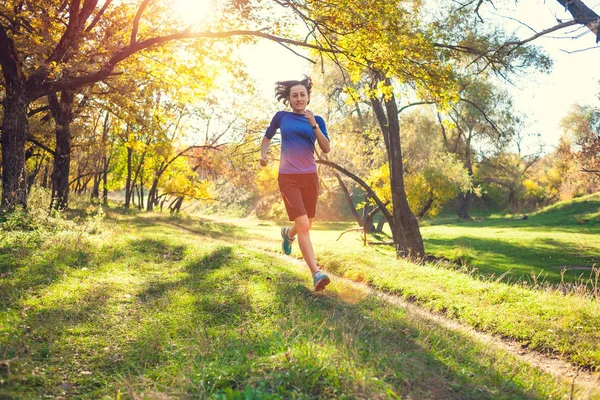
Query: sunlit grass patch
[[161, 311], [544, 319]]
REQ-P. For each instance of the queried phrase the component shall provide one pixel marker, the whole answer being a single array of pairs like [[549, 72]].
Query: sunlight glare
[[194, 11]]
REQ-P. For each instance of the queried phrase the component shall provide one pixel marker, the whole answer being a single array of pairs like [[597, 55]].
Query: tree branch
[[9, 60], [484, 114], [348, 198], [362, 183], [76, 21], [37, 91], [539, 34], [415, 104], [593, 171], [136, 21], [38, 110], [40, 144], [583, 15], [98, 16]]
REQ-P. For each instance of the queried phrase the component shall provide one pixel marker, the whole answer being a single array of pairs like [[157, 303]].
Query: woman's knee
[[302, 224]]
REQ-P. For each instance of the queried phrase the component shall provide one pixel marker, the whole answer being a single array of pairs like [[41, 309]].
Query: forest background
[[155, 102]]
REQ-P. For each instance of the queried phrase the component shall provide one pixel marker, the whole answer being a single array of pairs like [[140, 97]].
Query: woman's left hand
[[310, 116]]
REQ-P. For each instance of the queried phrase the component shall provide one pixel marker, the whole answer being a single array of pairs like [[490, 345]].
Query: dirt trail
[[588, 382]]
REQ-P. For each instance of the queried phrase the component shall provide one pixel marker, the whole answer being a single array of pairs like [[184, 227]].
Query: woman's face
[[298, 98]]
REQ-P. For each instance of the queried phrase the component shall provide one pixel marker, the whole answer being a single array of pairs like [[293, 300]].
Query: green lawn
[[148, 306], [564, 235], [537, 312]]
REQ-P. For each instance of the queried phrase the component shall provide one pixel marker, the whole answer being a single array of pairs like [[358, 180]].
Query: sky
[[544, 98], [575, 76]]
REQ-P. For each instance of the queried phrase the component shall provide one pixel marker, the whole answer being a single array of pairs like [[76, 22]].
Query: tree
[[582, 15], [52, 46], [394, 52], [359, 145], [434, 175], [508, 170], [483, 117], [582, 126]]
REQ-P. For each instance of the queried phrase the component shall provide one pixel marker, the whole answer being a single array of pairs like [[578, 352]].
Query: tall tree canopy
[[56, 47]]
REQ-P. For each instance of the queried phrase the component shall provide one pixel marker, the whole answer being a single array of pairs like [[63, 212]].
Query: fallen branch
[[354, 230]]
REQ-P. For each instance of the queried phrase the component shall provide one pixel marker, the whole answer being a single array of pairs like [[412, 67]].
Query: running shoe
[[320, 280], [286, 245]]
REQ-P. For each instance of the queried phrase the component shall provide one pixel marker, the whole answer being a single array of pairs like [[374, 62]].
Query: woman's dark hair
[[282, 88]]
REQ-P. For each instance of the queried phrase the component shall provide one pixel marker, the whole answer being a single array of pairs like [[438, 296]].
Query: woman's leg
[[301, 228]]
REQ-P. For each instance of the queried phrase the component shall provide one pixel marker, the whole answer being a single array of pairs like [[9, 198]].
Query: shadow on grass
[[215, 230], [331, 226], [195, 225], [29, 269], [495, 257], [157, 250], [555, 222], [229, 323]]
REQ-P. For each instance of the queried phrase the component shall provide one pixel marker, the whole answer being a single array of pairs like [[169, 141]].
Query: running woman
[[298, 180]]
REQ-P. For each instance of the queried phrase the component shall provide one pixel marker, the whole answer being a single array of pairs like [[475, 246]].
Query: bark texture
[[62, 112]]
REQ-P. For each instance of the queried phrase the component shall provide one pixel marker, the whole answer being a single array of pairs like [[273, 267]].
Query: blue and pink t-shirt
[[297, 142]]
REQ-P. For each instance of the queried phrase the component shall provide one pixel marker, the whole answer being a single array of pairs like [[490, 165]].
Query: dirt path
[[588, 382]]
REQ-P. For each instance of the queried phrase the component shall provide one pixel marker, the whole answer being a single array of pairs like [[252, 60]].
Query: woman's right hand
[[263, 161]]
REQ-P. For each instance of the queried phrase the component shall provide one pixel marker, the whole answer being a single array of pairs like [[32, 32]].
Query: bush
[[40, 218]]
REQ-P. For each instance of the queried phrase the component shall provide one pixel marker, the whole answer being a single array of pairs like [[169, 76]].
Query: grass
[[556, 320], [562, 236], [148, 306]]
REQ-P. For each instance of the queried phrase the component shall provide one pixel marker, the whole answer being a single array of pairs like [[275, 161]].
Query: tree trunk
[[348, 198], [105, 159], [380, 224], [105, 182], [152, 194], [464, 203], [141, 194], [513, 201], [426, 206], [45, 183], [62, 112], [138, 174], [367, 217], [413, 246], [85, 182], [405, 227], [32, 176], [380, 204], [133, 194], [582, 14], [60, 172], [176, 205], [464, 199], [14, 125], [95, 195], [14, 131], [128, 181]]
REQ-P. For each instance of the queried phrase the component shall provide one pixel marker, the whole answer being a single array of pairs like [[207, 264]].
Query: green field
[[563, 236], [150, 306]]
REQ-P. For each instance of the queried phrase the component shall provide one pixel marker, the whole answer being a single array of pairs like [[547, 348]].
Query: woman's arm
[[264, 149], [321, 138]]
